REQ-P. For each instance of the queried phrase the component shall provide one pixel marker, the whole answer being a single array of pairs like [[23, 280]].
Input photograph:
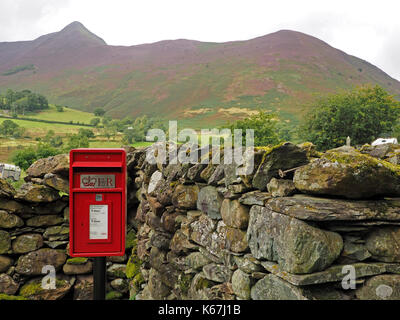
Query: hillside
[[198, 82]]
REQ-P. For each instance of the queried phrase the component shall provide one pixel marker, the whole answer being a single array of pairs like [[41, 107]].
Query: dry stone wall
[[302, 225]]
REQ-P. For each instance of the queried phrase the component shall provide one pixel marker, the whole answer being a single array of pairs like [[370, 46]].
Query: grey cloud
[[22, 19]]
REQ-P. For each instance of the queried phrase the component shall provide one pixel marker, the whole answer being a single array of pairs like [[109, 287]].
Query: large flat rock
[[331, 274], [297, 246], [326, 209], [348, 173]]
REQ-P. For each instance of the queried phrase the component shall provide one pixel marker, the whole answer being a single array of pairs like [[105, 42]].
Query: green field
[[35, 130], [67, 115]]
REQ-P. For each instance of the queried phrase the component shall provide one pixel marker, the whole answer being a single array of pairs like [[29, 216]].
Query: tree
[[363, 114], [264, 125], [52, 139], [95, 121], [9, 128], [20, 101], [99, 112], [135, 131], [77, 141], [86, 133], [60, 108], [25, 157]]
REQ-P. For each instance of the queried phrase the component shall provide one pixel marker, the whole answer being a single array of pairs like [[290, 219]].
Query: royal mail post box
[[97, 202]]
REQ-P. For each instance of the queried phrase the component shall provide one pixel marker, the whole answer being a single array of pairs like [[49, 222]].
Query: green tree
[[265, 126], [75, 141], [9, 128], [25, 157], [95, 121], [86, 133], [60, 108], [52, 139], [99, 112], [21, 101], [363, 114]]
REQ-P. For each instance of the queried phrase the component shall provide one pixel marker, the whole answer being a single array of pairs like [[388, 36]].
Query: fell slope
[[200, 83]]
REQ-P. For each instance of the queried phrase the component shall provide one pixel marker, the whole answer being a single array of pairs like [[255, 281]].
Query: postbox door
[[97, 222]]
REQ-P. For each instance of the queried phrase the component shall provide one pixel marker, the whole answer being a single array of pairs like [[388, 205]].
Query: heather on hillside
[[201, 84]]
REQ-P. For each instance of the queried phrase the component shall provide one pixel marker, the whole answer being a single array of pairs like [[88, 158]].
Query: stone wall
[[34, 233], [298, 227], [205, 233]]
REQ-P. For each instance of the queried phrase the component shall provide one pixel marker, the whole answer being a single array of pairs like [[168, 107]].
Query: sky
[[367, 29]]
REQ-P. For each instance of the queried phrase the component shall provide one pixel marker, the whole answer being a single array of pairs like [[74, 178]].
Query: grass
[[34, 128], [104, 144], [67, 115]]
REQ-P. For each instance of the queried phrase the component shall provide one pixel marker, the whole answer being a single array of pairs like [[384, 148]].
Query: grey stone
[[323, 209], [117, 270], [158, 290], [241, 284], [56, 244], [5, 242], [36, 193], [196, 260], [248, 264], [5, 263], [217, 175], [295, 245], [355, 251], [6, 189], [185, 196], [334, 273], [200, 287], [209, 201], [282, 157], [56, 182], [254, 198], [9, 220], [202, 230], [83, 288], [235, 240], [33, 289], [33, 262], [44, 220], [8, 285], [272, 287], [121, 285], [217, 273], [27, 242], [348, 173], [384, 244], [58, 164], [381, 287], [281, 187], [56, 233], [155, 181], [72, 269], [235, 214]]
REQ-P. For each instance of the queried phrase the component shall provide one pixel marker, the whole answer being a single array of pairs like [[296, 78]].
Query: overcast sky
[[367, 29]]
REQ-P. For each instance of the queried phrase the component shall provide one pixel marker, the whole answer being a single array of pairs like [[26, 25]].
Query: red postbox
[[97, 202]]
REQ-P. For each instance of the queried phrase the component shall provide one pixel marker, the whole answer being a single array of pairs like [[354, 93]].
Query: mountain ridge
[[194, 81]]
